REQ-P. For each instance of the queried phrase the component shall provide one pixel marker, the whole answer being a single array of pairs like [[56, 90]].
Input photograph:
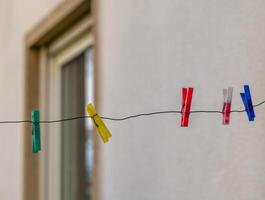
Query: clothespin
[[36, 140], [246, 98], [227, 93], [100, 126], [186, 104]]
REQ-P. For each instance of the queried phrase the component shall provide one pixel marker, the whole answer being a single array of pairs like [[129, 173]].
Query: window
[[60, 81], [69, 145], [76, 139]]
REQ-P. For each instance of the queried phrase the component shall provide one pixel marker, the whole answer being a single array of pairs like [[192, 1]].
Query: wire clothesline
[[126, 117], [185, 112]]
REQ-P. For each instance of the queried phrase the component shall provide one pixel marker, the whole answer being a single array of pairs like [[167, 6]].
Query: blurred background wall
[[148, 51], [16, 19]]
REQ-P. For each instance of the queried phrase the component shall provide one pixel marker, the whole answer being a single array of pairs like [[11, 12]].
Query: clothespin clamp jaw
[[246, 98], [36, 138], [186, 105], [227, 94], [100, 126]]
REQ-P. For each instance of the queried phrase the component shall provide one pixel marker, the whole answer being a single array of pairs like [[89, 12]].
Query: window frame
[[52, 27], [56, 59]]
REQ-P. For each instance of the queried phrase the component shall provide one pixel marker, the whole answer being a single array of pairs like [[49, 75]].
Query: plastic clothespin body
[[186, 105], [36, 139], [246, 98], [227, 93], [100, 126]]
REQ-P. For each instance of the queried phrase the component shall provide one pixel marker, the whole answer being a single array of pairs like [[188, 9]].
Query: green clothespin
[[35, 118]]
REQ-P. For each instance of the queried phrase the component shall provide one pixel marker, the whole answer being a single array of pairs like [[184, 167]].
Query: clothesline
[[185, 114], [126, 117]]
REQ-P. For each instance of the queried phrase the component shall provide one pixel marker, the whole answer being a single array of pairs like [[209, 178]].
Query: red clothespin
[[186, 104], [227, 93]]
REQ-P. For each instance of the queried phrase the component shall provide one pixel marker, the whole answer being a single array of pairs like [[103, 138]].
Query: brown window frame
[[61, 19]]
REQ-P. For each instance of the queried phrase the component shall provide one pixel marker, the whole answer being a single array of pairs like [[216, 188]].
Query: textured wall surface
[[148, 50], [17, 17]]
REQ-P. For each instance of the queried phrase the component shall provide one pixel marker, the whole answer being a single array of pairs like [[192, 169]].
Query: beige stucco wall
[[17, 17], [150, 49]]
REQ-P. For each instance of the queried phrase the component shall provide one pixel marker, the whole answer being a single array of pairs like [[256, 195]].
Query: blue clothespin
[[35, 118], [246, 98]]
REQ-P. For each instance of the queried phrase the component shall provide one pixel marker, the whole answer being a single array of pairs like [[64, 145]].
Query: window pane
[[77, 146], [89, 97]]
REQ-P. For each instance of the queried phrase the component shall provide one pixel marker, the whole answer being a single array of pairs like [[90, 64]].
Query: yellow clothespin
[[101, 127]]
